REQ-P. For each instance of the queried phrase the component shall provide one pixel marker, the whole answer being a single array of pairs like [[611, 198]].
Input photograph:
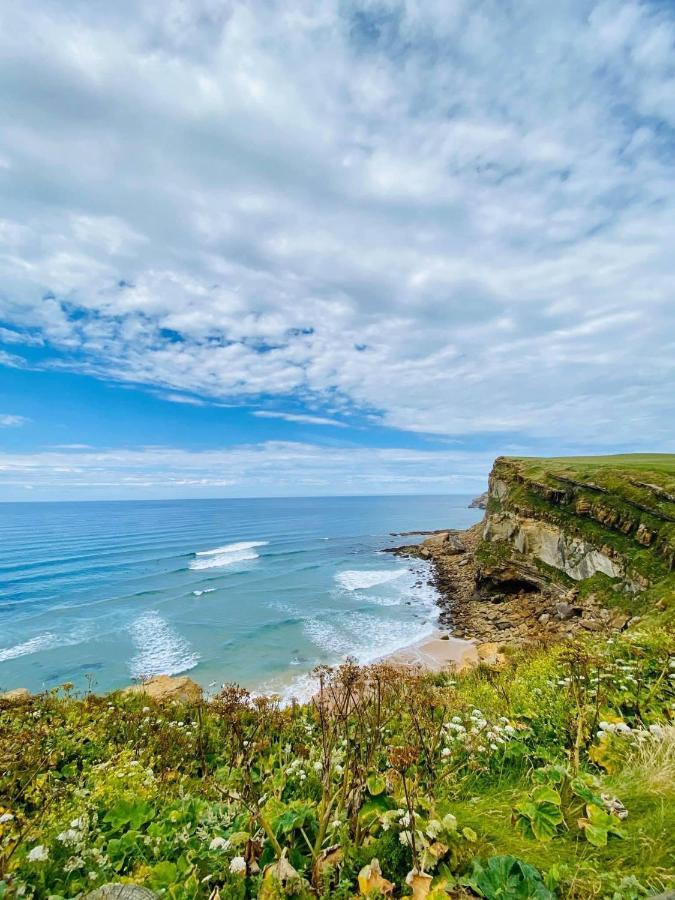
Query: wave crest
[[356, 580], [227, 555]]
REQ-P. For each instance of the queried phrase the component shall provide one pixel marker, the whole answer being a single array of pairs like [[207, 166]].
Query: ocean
[[254, 591]]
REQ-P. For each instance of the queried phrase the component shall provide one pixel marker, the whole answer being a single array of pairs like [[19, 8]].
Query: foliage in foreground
[[553, 776]]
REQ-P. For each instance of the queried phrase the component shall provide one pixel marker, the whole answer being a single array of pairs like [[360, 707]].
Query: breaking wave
[[161, 649], [226, 555], [357, 580], [41, 642]]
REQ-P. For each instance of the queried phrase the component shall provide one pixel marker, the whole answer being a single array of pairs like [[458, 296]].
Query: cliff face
[[566, 545], [570, 519]]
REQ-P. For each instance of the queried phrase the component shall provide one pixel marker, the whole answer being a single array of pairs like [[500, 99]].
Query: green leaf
[[598, 826], [546, 794], [584, 791], [162, 875], [470, 834], [125, 813], [595, 835], [507, 878], [296, 815], [376, 784], [538, 819]]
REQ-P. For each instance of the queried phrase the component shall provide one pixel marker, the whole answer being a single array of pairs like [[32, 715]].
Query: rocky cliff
[[565, 544], [571, 519]]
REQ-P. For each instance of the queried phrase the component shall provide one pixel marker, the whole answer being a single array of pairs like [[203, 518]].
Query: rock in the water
[[167, 687], [121, 892], [16, 694]]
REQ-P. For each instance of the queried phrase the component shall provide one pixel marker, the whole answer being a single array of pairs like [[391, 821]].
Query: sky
[[330, 246]]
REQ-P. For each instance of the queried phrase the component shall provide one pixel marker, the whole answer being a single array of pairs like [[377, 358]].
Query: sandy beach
[[436, 653]]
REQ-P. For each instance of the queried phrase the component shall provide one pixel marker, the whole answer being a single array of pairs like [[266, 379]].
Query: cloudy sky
[[330, 246]]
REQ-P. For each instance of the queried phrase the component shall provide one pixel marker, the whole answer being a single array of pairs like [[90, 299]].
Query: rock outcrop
[[558, 540], [16, 694], [479, 502], [583, 518], [167, 687]]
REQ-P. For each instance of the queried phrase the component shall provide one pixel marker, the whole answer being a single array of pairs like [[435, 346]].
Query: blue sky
[[330, 247]]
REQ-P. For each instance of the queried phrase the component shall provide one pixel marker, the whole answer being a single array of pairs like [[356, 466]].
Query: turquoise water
[[255, 591]]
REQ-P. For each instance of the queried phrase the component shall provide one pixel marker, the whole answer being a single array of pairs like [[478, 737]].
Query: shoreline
[[434, 652]]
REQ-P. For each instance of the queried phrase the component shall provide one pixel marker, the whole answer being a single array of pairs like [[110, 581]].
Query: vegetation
[[552, 776]]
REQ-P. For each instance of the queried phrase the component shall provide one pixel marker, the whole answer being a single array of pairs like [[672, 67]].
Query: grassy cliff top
[[626, 466], [646, 481]]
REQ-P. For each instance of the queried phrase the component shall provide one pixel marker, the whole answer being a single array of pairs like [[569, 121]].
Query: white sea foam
[[205, 591], [161, 649], [232, 548], [227, 555], [33, 645], [356, 580]]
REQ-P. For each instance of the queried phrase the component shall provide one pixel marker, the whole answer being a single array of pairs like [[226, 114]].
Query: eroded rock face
[[548, 543], [166, 687]]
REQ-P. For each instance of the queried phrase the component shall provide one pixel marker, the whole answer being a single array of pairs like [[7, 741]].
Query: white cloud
[[268, 469], [300, 418], [8, 420], [458, 216]]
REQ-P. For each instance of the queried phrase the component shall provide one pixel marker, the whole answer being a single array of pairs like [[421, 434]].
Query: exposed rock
[[480, 502], [16, 694], [547, 542], [167, 687], [121, 892], [566, 611], [644, 536], [489, 653]]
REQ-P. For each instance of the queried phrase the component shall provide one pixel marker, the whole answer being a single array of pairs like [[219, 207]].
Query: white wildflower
[[446, 751], [405, 837], [6, 817], [238, 865], [69, 836], [38, 854], [318, 767], [219, 843]]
